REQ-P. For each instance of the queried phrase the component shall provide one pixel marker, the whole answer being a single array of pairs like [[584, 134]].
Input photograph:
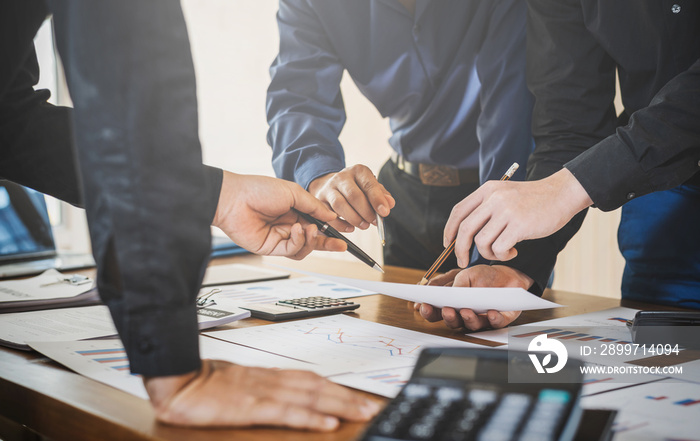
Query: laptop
[[27, 244]]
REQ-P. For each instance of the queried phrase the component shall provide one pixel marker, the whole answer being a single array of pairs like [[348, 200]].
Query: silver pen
[[380, 229]]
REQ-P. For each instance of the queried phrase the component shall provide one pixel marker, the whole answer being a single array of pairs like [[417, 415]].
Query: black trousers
[[414, 229]]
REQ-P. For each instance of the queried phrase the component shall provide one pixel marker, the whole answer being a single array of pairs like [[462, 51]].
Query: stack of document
[[71, 324], [50, 289]]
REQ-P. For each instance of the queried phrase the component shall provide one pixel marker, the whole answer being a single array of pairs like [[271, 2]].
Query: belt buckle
[[438, 175]]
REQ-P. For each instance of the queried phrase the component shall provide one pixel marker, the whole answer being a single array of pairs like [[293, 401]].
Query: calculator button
[[416, 391], [422, 431], [554, 396], [506, 419], [482, 397], [405, 407], [386, 428], [449, 394]]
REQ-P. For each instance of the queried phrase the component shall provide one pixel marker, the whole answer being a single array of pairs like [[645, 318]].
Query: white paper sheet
[[105, 360], [478, 299], [344, 344], [43, 291], [384, 382], [663, 410], [606, 318], [275, 290], [68, 324], [239, 273]]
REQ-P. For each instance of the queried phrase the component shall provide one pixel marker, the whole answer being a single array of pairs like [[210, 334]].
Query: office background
[[233, 44]]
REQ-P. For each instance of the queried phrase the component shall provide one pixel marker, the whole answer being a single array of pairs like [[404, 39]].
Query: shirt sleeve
[[659, 149], [503, 127], [573, 81], [131, 77], [305, 107]]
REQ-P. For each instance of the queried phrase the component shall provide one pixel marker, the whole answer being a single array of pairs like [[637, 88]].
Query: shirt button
[[631, 195], [698, 163], [676, 8]]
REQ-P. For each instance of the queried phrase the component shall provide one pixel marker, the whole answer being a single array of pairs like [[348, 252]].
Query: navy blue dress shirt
[[450, 78]]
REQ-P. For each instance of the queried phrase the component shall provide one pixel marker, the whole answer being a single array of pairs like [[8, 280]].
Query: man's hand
[[255, 212], [479, 275], [223, 394], [355, 194], [502, 213]]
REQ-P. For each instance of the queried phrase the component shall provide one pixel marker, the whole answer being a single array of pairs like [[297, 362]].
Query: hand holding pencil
[[452, 243], [478, 275], [500, 214]]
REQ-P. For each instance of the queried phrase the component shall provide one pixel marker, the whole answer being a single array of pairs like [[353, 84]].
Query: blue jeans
[[659, 237]]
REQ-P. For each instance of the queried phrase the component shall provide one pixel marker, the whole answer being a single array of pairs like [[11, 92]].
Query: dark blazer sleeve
[[659, 149], [35, 137], [147, 194]]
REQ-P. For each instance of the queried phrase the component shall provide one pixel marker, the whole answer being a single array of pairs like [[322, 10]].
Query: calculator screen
[[463, 368]]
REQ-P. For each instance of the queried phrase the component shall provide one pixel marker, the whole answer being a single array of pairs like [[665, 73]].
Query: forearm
[[659, 149], [304, 107]]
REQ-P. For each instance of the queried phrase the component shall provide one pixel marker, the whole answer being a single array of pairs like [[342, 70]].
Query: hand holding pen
[[329, 231], [267, 225], [500, 214], [355, 194], [451, 246]]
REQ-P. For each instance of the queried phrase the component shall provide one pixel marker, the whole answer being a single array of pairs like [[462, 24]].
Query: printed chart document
[[46, 291], [17, 328], [478, 299], [105, 360], [662, 410], [372, 357], [584, 336], [276, 290], [606, 318], [88, 322]]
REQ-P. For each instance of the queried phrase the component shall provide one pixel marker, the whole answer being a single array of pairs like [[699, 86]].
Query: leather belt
[[436, 175]]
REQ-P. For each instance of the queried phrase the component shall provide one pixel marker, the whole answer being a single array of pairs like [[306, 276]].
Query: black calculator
[[299, 308], [459, 394]]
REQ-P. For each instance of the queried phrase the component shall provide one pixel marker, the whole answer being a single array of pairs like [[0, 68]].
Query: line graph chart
[[344, 344]]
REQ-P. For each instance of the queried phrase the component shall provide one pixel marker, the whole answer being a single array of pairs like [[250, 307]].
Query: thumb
[[306, 203]]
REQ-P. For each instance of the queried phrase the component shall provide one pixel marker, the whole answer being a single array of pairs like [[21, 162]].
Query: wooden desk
[[60, 405]]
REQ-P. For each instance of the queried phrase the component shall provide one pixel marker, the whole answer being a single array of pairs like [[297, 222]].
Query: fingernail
[[459, 262], [364, 225], [369, 409], [349, 229], [383, 211], [330, 422]]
